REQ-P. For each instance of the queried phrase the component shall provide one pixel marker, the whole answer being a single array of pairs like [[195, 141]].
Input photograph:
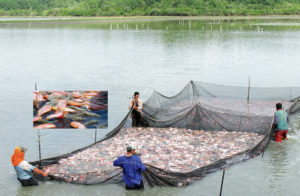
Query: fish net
[[203, 128]]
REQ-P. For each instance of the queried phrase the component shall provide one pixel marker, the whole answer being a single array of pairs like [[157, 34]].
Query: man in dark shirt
[[132, 168]]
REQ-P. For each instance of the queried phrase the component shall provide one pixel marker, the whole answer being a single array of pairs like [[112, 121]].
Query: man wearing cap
[[137, 106], [280, 123], [23, 168], [132, 168]]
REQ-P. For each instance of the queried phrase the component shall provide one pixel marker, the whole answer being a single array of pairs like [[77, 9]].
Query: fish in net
[[203, 128]]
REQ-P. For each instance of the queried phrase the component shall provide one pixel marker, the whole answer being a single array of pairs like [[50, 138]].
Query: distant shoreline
[[70, 19]]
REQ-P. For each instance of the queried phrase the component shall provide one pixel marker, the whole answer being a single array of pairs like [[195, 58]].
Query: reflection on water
[[278, 163], [123, 57]]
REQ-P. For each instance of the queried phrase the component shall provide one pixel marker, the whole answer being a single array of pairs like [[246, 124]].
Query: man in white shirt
[[137, 106]]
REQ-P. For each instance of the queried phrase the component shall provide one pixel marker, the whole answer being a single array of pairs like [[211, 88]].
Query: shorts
[[281, 134], [28, 182]]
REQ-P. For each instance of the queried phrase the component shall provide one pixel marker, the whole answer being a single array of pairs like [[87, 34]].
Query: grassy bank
[[148, 7]]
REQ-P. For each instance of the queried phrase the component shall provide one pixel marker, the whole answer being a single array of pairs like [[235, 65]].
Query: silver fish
[[91, 122]]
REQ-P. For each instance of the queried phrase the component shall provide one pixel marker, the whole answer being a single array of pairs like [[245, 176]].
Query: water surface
[[123, 57]]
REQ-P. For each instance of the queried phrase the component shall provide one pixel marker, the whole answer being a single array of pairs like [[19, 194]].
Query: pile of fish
[[171, 149], [69, 109]]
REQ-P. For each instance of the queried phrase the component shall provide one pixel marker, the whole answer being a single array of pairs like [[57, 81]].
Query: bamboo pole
[[40, 154], [248, 97], [221, 188], [39, 137]]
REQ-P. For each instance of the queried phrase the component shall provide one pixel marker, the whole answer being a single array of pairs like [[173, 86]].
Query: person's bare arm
[[37, 171]]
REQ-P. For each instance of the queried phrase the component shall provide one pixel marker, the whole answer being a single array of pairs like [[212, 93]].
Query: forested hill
[[147, 7]]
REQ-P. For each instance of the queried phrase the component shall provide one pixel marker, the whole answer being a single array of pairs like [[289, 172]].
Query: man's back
[[282, 120], [132, 168]]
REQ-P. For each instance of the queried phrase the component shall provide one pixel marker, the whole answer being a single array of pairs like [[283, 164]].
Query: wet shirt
[[24, 170], [132, 169], [281, 120]]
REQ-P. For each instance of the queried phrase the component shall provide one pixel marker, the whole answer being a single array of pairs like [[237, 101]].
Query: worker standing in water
[[280, 123], [137, 106], [23, 168], [132, 168]]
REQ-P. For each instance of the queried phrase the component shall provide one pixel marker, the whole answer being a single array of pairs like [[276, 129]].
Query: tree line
[[147, 7]]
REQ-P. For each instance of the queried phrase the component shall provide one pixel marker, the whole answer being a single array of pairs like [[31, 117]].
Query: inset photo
[[70, 109]]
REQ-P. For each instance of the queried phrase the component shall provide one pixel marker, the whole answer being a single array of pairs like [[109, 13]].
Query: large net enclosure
[[205, 127]]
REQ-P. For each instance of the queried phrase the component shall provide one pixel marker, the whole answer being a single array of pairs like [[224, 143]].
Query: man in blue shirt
[[280, 123], [132, 168]]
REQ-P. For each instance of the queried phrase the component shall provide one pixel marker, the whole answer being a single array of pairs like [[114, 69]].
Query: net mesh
[[203, 128]]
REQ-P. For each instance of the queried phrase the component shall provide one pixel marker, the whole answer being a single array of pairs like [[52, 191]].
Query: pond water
[[127, 56]]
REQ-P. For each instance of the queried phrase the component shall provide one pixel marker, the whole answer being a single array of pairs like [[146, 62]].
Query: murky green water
[[122, 57]]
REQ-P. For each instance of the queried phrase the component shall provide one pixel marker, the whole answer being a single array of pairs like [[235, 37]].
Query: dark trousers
[[28, 182], [136, 187], [136, 118], [135, 122]]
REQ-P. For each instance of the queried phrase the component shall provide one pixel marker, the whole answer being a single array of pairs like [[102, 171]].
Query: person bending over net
[[280, 123], [137, 106], [132, 169], [23, 168]]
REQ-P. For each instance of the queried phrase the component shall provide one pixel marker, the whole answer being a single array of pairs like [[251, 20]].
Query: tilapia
[[37, 118], [64, 102], [37, 96], [91, 122], [77, 125], [77, 108], [74, 103], [98, 107], [59, 114], [59, 93], [43, 121], [74, 117], [66, 109], [78, 100], [45, 126], [91, 114], [44, 109], [76, 94], [170, 149], [53, 102]]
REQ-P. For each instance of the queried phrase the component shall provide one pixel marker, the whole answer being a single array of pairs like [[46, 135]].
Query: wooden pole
[[221, 189], [39, 138], [248, 97], [40, 154]]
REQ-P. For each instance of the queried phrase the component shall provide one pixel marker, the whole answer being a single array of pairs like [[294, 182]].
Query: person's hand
[[134, 107]]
